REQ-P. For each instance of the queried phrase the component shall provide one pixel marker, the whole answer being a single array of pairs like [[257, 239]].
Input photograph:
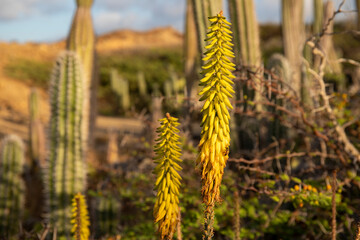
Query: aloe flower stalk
[[80, 218], [166, 209], [215, 134]]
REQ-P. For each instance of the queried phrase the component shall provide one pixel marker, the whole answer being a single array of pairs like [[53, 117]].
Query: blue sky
[[49, 20]]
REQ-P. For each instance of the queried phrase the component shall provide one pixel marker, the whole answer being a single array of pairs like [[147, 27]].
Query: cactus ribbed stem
[[81, 40], [142, 84], [215, 134], [293, 36], [11, 185], [202, 10], [191, 49], [80, 218], [121, 87], [66, 173], [318, 16], [168, 153]]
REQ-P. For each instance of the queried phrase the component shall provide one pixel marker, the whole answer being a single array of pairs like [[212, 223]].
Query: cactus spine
[[121, 88], [81, 40], [215, 134], [80, 218], [11, 185], [168, 153], [293, 36], [36, 131], [66, 173]]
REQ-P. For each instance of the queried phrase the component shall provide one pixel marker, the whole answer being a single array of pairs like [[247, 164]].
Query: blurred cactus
[[66, 174], [246, 33], [121, 87], [318, 16], [142, 84], [11, 186], [358, 13], [191, 51], [107, 214], [281, 67], [202, 10], [80, 218], [326, 45], [81, 40], [36, 130], [293, 37]]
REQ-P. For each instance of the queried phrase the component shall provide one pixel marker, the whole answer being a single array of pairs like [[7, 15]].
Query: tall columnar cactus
[[191, 50], [318, 16], [107, 214], [80, 218], [358, 13], [11, 186], [281, 67], [246, 33], [215, 134], [36, 130], [293, 36], [168, 153], [202, 10], [81, 40], [327, 46], [121, 87], [66, 174]]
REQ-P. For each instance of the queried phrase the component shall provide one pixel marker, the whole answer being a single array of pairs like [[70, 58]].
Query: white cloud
[[15, 9]]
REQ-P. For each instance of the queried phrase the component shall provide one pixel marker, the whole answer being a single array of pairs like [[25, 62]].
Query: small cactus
[[121, 87], [11, 185], [65, 173], [142, 84], [80, 218], [36, 130], [168, 153]]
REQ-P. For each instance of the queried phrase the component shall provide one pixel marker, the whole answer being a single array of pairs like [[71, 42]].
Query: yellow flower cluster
[[166, 209], [80, 218], [215, 134]]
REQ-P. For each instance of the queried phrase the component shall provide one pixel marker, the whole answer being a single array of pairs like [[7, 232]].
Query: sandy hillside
[[14, 94]]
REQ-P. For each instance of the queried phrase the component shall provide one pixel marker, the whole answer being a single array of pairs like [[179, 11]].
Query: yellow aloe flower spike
[[215, 134], [80, 218], [166, 209]]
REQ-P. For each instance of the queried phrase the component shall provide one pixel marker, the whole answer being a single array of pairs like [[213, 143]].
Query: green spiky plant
[[36, 130], [80, 218], [215, 134], [81, 40], [318, 16], [121, 87], [11, 186], [168, 153], [66, 170]]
